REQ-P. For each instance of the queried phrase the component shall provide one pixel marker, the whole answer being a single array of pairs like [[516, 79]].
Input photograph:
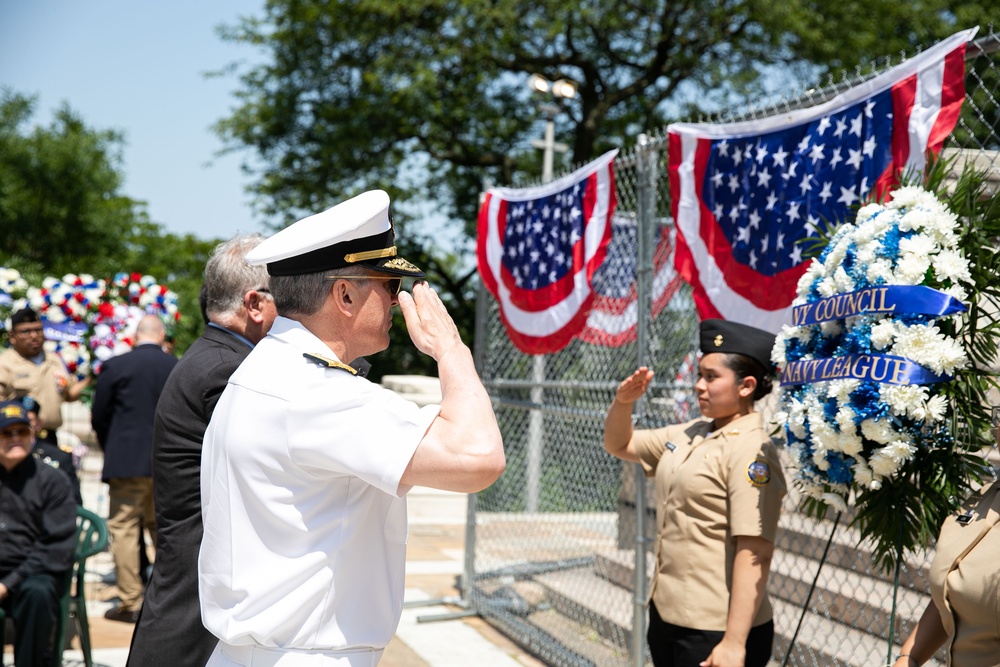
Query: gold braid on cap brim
[[355, 257]]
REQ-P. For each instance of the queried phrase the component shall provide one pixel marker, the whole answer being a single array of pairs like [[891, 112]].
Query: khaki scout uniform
[[711, 487], [965, 581], [45, 382]]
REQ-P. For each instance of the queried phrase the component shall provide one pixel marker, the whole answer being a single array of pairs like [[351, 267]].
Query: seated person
[[51, 453], [37, 529]]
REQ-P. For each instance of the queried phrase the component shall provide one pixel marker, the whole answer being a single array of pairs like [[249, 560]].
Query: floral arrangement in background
[[877, 376], [89, 320]]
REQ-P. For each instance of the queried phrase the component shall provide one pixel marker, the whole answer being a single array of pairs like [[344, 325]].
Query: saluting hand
[[431, 328], [634, 386]]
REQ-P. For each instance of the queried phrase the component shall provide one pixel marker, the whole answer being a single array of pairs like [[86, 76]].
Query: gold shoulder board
[[328, 362]]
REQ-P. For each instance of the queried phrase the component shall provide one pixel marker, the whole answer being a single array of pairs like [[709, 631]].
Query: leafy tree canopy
[[353, 89], [62, 210], [427, 98]]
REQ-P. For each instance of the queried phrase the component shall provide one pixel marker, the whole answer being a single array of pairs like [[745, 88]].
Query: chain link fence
[[560, 557]]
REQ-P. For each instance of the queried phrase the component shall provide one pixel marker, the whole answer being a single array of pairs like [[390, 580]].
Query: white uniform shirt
[[305, 536]]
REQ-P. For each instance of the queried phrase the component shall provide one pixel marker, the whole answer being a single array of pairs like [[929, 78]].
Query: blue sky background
[[138, 67]]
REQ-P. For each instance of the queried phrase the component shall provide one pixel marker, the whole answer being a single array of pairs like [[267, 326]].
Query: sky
[[138, 68]]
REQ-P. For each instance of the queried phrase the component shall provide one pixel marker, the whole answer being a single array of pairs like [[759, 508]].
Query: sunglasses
[[394, 284]]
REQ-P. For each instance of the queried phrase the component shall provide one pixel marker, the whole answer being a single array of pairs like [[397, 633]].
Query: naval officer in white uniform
[[306, 465]]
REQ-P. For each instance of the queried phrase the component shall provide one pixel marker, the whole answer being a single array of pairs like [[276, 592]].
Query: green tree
[[62, 210], [61, 205], [427, 98]]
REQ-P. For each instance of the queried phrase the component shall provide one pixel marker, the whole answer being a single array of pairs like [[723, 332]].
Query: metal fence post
[[645, 223]]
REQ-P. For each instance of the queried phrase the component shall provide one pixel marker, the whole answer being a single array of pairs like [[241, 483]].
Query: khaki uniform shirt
[[46, 382], [965, 581], [711, 487]]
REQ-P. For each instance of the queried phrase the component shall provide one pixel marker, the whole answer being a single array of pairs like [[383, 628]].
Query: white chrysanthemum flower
[[849, 443], [842, 280], [958, 292], [951, 265], [796, 418], [900, 450], [813, 271], [868, 211], [911, 196], [835, 501], [937, 408], [866, 253], [819, 459], [904, 400], [49, 282], [882, 465], [926, 345], [880, 271], [827, 287], [841, 390], [911, 269], [918, 244], [883, 334], [877, 431], [862, 473]]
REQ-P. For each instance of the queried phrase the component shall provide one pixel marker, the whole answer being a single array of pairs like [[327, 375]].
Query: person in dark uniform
[[238, 310], [37, 526], [719, 487], [48, 452]]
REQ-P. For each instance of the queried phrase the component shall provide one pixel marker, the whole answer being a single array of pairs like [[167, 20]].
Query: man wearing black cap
[[48, 453], [26, 369], [37, 525], [306, 465]]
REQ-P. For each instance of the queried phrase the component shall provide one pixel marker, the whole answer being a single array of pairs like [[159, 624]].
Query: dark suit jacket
[[125, 398], [169, 632]]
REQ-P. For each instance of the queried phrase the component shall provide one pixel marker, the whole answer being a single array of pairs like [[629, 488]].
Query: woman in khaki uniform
[[964, 612], [719, 487]]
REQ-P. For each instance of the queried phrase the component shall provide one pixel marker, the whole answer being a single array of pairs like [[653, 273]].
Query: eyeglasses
[[28, 332], [15, 432], [393, 284]]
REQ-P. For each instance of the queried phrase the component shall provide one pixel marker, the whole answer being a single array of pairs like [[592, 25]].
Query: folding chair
[[91, 539]]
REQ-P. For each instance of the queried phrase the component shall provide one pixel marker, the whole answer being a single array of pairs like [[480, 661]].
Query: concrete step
[[840, 592], [594, 598], [806, 536]]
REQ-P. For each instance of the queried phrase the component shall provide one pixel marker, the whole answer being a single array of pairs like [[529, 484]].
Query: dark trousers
[[675, 646], [34, 606]]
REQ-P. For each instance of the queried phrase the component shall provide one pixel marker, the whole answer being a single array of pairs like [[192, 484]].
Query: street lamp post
[[561, 89]]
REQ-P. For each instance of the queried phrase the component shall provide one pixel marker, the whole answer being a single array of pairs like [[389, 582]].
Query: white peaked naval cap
[[358, 231]]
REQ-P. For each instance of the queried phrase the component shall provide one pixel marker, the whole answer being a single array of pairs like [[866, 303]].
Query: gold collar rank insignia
[[759, 472], [327, 362]]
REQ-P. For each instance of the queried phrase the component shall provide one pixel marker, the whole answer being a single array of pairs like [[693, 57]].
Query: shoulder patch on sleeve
[[326, 362], [759, 472]]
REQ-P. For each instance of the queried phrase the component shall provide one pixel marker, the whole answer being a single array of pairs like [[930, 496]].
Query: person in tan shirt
[[26, 369], [964, 612], [719, 486]]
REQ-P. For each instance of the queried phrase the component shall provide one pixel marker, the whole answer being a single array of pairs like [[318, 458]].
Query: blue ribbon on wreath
[[913, 299]]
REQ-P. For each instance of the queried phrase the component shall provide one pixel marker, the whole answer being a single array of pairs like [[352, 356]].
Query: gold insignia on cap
[[327, 362], [10, 411], [354, 257], [401, 264], [718, 341], [759, 472]]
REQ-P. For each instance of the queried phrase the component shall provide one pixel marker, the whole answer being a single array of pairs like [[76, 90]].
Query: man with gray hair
[[306, 465], [239, 310]]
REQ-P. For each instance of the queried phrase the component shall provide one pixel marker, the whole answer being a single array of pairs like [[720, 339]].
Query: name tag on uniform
[[966, 518], [671, 446]]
